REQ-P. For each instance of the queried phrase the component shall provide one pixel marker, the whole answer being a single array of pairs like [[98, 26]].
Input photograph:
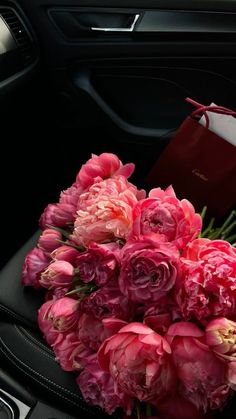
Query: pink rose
[[57, 274], [149, 268], [35, 263], [102, 167], [202, 375], [66, 253], [97, 388], [207, 286], [163, 213], [59, 215], [99, 263], [92, 332], [107, 302], [105, 211], [139, 361], [63, 314], [49, 240]]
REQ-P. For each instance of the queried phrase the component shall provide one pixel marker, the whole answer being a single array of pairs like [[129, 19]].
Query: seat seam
[[34, 345], [43, 346], [15, 315], [38, 374]]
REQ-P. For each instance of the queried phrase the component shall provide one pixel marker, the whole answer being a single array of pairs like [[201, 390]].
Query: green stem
[[203, 213], [228, 230], [208, 229], [61, 230], [231, 239], [79, 248]]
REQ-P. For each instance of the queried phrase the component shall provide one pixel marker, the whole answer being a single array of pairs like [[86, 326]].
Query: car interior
[[80, 77]]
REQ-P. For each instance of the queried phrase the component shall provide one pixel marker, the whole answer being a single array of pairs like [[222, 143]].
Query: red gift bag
[[199, 164]]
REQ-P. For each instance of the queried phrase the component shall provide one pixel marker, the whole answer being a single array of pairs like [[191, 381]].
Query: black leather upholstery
[[22, 348]]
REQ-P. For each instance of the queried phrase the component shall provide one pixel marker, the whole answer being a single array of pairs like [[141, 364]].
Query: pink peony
[[149, 268], [63, 314], [97, 388], [207, 286], [105, 211], [71, 353], [99, 263], [92, 332], [139, 361], [57, 274], [220, 335], [45, 324], [102, 167], [58, 215], [65, 253], [202, 375], [49, 240], [71, 195], [163, 213], [107, 302], [35, 263]]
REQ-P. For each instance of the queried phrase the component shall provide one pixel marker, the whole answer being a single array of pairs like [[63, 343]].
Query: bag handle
[[202, 110]]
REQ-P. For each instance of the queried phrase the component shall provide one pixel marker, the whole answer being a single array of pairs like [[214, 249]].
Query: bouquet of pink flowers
[[138, 300]]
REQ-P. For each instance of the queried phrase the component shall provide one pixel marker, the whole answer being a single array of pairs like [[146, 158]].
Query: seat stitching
[[32, 338], [13, 314], [40, 375], [34, 345]]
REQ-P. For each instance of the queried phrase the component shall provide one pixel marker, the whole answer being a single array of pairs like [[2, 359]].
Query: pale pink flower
[[149, 268], [35, 263], [220, 335], [163, 213], [207, 286], [102, 167], [57, 274], [97, 388], [139, 361], [105, 211], [202, 375]]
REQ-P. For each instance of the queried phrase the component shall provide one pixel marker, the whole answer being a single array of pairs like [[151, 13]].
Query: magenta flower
[[97, 388], [59, 215], [102, 167], [71, 195], [57, 274], [108, 302], [45, 324], [63, 314], [207, 286], [139, 361], [99, 263], [149, 268], [163, 213], [65, 253], [201, 374], [92, 332], [35, 263], [49, 240]]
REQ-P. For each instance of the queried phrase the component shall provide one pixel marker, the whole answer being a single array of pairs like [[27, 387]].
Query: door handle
[[129, 29]]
